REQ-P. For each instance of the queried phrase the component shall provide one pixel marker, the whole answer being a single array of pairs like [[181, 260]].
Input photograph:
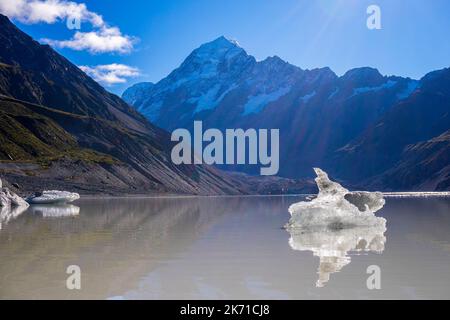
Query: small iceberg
[[52, 197], [336, 208], [11, 205], [335, 224]]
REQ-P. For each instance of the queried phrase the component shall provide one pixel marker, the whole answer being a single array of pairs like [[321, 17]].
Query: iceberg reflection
[[55, 211], [334, 247], [11, 205], [10, 213]]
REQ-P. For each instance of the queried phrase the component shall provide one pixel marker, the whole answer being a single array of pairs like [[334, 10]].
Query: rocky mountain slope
[[321, 116], [408, 145], [60, 129], [426, 164]]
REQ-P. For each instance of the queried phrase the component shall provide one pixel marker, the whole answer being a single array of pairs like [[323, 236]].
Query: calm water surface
[[221, 248]]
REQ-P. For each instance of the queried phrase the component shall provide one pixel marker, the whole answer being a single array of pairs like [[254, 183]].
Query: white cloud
[[101, 39], [107, 39], [48, 11], [110, 74]]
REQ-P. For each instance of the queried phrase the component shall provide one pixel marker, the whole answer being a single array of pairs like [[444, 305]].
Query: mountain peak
[[274, 59], [363, 72], [206, 60], [365, 76], [275, 63], [223, 41], [218, 49]]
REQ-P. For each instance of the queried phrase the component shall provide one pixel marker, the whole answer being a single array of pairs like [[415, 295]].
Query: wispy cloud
[[101, 39], [110, 74]]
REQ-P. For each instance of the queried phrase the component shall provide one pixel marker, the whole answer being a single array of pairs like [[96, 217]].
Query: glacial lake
[[221, 248]]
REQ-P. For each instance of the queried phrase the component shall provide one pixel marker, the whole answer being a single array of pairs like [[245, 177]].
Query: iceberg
[[335, 224], [336, 207], [53, 197], [11, 205]]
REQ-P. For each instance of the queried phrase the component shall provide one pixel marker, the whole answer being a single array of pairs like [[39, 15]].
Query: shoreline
[[412, 194]]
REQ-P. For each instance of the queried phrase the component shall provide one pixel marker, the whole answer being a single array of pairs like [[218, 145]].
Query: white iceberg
[[53, 197], [335, 224], [336, 208], [11, 205], [334, 247]]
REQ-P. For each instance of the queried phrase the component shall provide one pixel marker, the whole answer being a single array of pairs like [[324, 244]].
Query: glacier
[[335, 207], [212, 98], [256, 103]]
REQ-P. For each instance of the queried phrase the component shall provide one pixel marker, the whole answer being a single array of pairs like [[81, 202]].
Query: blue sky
[[157, 35]]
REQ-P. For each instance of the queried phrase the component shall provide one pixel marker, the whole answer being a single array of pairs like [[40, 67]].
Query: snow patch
[[209, 100], [205, 101], [387, 85], [307, 97], [257, 103]]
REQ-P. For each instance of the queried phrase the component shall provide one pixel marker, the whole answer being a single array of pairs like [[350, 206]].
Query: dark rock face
[[74, 134], [408, 145], [355, 126], [424, 164]]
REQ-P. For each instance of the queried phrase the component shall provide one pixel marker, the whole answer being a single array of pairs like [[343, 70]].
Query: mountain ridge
[[320, 115]]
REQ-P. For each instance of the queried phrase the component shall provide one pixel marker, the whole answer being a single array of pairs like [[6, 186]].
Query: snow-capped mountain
[[221, 75], [317, 112]]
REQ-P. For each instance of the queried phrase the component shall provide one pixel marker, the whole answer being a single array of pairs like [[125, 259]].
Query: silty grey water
[[217, 248]]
